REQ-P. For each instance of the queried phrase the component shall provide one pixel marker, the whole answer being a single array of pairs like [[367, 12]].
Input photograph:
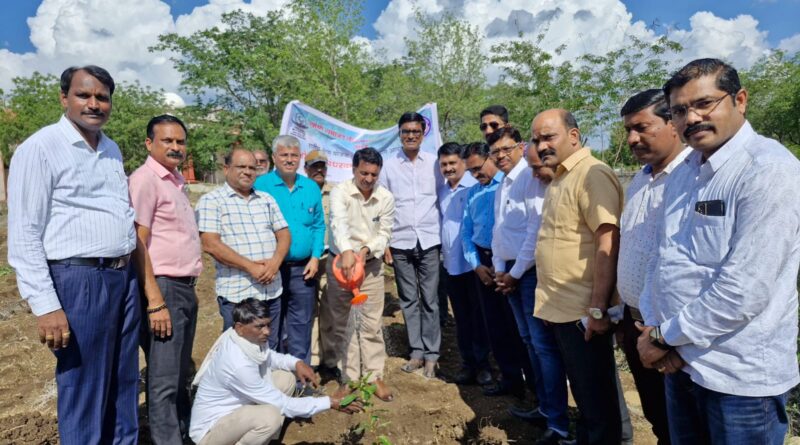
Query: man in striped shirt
[[70, 238]]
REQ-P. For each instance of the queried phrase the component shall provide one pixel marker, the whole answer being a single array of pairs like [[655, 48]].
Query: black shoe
[[484, 377], [533, 415], [497, 389], [329, 372], [551, 437]]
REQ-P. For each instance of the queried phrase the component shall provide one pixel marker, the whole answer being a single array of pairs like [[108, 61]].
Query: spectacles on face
[[495, 125], [405, 132], [505, 151], [701, 107], [261, 161], [475, 170]]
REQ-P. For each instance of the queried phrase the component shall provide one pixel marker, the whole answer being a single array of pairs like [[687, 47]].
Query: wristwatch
[[596, 313], [657, 339]]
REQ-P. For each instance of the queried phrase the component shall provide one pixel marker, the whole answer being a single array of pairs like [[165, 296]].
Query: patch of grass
[[6, 270]]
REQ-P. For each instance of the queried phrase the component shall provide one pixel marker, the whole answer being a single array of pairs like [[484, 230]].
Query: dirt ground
[[423, 412]]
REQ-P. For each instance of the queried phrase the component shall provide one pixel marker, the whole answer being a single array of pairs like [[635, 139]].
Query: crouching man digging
[[245, 389]]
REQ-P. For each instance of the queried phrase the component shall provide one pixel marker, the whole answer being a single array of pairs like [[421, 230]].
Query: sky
[[49, 35]]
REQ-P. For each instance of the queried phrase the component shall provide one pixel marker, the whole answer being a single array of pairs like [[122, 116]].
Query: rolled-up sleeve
[[30, 189]]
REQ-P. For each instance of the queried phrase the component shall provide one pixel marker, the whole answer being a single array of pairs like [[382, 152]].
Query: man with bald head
[[244, 230], [576, 256]]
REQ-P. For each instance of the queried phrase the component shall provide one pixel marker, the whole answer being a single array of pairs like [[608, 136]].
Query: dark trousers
[[297, 312], [168, 362], [470, 329], [417, 274], [98, 373], [649, 382], [226, 311], [441, 293], [701, 416], [591, 371], [509, 352]]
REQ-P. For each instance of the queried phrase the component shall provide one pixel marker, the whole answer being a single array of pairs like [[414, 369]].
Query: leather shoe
[[430, 369], [382, 391], [412, 365], [533, 415], [484, 377], [551, 437]]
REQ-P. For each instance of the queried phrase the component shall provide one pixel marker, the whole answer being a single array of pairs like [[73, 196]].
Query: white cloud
[[790, 44], [114, 35], [737, 40]]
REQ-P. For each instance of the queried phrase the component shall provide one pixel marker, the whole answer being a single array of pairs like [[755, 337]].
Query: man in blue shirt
[[476, 239], [301, 204], [470, 328], [720, 296]]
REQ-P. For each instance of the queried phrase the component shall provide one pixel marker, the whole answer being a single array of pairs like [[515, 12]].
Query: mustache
[[175, 155], [96, 114], [692, 129], [544, 153], [639, 147]]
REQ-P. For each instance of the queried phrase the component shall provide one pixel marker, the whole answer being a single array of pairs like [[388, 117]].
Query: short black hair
[[569, 120], [228, 158], [93, 70], [411, 116], [497, 110], [504, 132], [727, 77], [476, 148], [646, 99], [368, 155], [163, 119], [249, 310], [450, 148]]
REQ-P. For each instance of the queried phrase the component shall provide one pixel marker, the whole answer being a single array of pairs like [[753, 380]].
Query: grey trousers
[[417, 274], [168, 361]]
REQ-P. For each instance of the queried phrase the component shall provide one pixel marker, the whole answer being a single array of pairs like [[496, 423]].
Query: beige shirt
[[356, 222], [584, 195]]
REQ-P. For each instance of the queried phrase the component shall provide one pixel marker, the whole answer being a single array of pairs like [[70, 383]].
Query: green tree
[[132, 107]]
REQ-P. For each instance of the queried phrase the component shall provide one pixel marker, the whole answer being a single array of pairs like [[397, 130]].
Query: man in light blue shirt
[[300, 202], [720, 297], [464, 297]]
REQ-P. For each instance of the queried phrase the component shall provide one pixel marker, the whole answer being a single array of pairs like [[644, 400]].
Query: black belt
[[107, 263], [189, 281], [296, 263], [634, 313]]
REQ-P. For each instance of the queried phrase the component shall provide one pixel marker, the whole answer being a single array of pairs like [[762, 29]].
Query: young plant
[[363, 391]]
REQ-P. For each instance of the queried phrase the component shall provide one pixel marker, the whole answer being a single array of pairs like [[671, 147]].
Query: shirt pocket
[[709, 239]]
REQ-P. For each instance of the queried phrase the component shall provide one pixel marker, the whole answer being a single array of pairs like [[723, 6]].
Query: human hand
[[256, 270], [649, 353], [387, 257], [53, 329], [351, 408], [305, 374], [598, 327], [160, 322], [671, 363], [484, 274], [506, 283], [311, 268], [347, 264], [271, 267]]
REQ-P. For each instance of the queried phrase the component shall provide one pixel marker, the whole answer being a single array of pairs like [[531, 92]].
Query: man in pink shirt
[[165, 223]]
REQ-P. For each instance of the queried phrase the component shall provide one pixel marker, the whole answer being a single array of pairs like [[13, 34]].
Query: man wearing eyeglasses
[[412, 177], [720, 298], [518, 211], [262, 161], [492, 118], [244, 231], [576, 258]]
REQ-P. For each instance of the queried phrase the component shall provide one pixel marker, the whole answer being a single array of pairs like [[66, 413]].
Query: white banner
[[318, 131]]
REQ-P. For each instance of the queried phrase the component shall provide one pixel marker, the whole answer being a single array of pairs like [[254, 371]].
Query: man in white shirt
[[654, 141], [245, 388], [720, 298]]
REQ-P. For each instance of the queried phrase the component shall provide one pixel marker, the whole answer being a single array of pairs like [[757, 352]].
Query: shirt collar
[[276, 179], [498, 178], [229, 191], [466, 181], [162, 171], [521, 165], [353, 190], [74, 136], [730, 148], [402, 155], [575, 159], [648, 169]]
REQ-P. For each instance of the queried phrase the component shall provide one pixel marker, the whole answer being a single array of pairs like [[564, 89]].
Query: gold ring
[[661, 369], [49, 337], [65, 334]]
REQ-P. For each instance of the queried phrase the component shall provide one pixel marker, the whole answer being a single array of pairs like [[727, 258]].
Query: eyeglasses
[[505, 151], [495, 125], [474, 170], [410, 132], [701, 107]]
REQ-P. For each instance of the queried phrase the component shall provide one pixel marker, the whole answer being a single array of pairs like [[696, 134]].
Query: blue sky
[[774, 16]]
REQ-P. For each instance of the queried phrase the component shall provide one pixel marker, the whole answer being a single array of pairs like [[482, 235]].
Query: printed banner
[[318, 131]]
